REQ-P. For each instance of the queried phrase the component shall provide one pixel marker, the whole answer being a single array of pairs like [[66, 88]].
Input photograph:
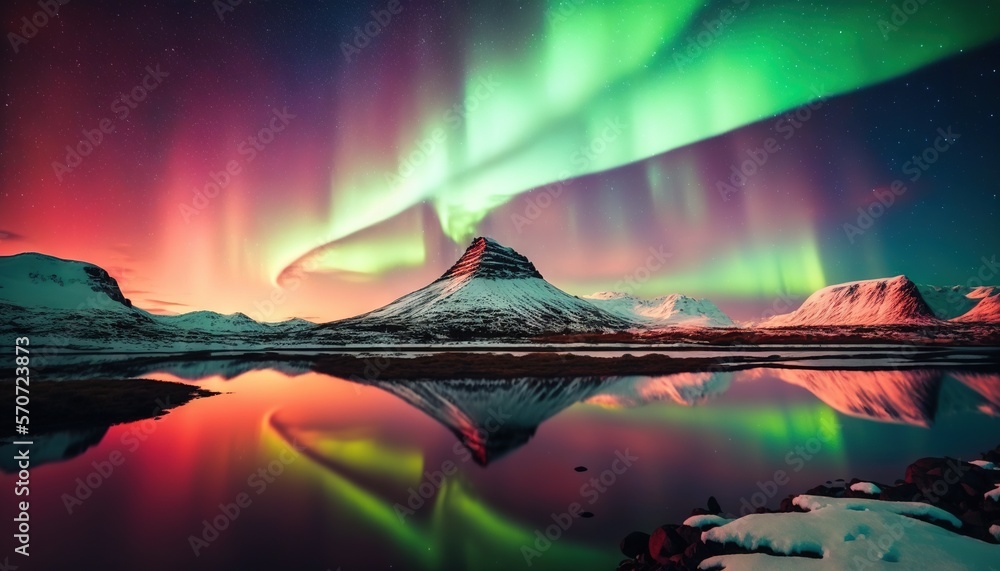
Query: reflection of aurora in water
[[377, 483], [363, 449], [455, 515]]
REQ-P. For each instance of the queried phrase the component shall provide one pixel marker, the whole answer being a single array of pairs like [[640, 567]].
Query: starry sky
[[320, 159]]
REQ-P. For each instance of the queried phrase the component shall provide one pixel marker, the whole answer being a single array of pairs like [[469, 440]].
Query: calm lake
[[311, 472]]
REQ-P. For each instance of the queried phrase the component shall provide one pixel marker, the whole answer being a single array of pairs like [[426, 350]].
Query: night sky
[[275, 158]]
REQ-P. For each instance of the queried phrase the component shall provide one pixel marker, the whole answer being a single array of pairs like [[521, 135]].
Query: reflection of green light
[[780, 427], [614, 59], [367, 506], [457, 522], [487, 520], [398, 463]]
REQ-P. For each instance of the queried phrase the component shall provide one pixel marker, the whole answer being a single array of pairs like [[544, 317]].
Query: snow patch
[[993, 494], [866, 488], [850, 534], [985, 464], [706, 520]]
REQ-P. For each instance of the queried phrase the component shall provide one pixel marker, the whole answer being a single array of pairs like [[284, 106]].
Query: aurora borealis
[[274, 171]]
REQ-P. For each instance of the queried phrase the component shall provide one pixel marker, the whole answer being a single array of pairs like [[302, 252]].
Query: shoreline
[[961, 489]]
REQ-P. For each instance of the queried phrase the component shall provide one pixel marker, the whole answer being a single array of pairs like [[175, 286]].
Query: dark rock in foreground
[[98, 403]]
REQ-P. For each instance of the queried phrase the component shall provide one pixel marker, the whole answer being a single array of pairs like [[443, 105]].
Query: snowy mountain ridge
[[667, 310], [491, 293], [888, 301]]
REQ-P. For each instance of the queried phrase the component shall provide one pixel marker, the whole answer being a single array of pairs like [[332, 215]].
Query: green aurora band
[[584, 87]]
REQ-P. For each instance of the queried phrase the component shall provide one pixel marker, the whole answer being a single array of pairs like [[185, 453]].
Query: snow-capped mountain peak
[[491, 292], [488, 259]]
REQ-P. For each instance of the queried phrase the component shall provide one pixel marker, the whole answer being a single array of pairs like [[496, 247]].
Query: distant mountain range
[[492, 293]]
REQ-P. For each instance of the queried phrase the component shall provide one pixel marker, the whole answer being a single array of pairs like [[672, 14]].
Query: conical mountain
[[491, 292]]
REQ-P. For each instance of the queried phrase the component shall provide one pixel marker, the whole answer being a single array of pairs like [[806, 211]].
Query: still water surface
[[467, 474]]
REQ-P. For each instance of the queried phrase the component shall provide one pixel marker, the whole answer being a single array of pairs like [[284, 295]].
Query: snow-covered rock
[[866, 488], [985, 464], [706, 520], [993, 494], [850, 534]]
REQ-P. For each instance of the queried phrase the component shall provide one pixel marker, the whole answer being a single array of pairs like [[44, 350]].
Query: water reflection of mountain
[[52, 447], [686, 389], [910, 396], [85, 367], [493, 417]]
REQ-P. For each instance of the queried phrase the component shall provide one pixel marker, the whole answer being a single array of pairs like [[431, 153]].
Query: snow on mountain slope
[[211, 321], [986, 311], [951, 302], [491, 291], [673, 309], [37, 280], [889, 301], [70, 304]]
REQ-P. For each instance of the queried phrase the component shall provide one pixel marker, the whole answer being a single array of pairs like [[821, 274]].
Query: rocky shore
[[969, 491]]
